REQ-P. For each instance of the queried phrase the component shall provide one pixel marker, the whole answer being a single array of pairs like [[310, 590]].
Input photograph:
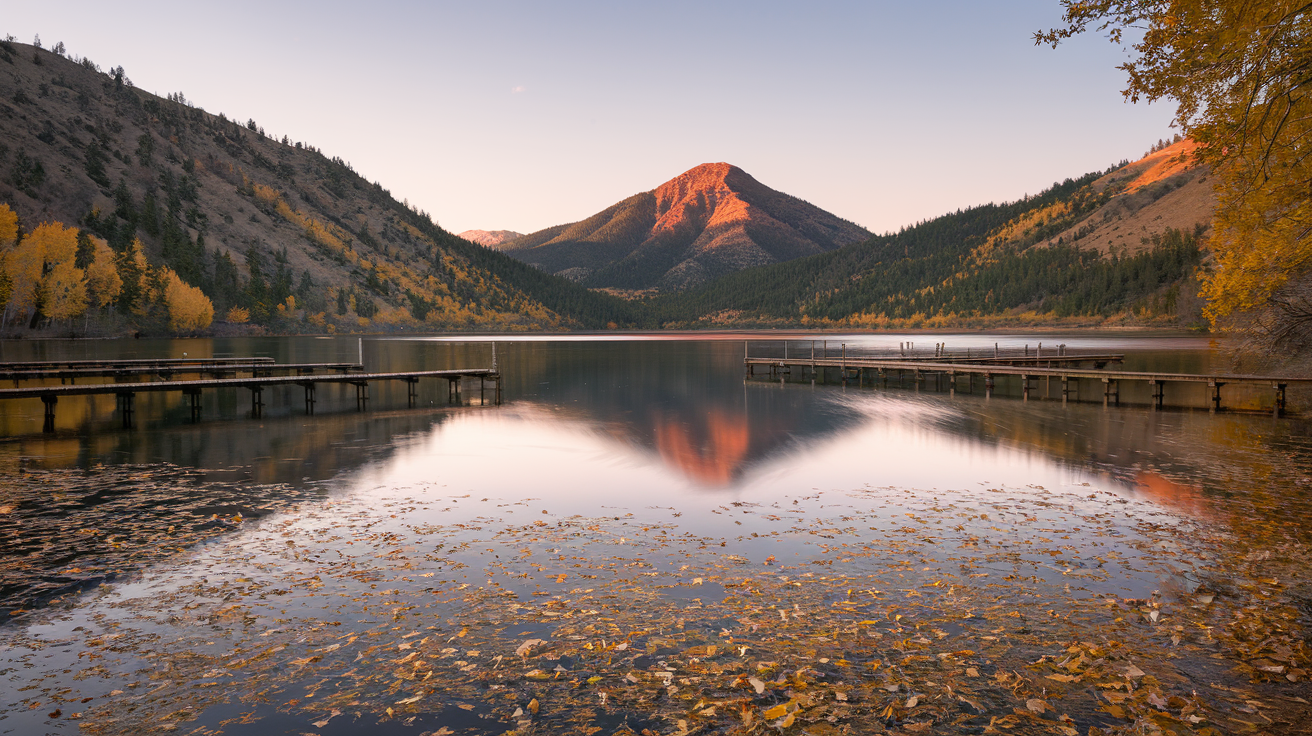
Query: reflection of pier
[[1026, 366], [262, 372]]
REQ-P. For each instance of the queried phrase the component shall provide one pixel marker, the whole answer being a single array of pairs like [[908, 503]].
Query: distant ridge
[[490, 238], [711, 220]]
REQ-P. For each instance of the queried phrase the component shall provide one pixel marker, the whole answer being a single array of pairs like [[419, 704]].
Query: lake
[[638, 540]]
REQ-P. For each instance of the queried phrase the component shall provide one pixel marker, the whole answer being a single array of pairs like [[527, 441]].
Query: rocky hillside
[[489, 238], [1163, 190], [249, 219], [709, 221]]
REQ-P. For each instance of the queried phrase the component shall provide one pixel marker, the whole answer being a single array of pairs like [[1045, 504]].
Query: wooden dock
[[305, 376], [1064, 367], [169, 370]]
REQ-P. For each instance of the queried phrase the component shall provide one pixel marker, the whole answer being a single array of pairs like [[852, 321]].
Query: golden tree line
[[1240, 73], [42, 277]]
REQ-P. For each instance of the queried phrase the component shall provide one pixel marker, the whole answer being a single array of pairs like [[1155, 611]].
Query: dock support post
[[843, 363], [918, 378], [498, 398], [1111, 392], [1025, 383], [1280, 399], [952, 384], [257, 402], [1216, 395], [309, 397], [193, 397], [1159, 391], [362, 396], [48, 425], [1065, 388], [883, 378], [988, 385], [971, 385], [411, 391], [126, 409]]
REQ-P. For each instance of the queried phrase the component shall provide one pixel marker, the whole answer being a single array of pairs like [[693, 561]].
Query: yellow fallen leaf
[[775, 712], [1036, 705], [1062, 678], [533, 706], [408, 701]]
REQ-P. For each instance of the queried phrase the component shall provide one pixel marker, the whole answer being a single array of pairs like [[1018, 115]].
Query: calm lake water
[[639, 540]]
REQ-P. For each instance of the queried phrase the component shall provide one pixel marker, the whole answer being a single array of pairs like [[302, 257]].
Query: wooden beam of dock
[[126, 392], [1109, 378], [170, 370], [978, 369], [125, 362]]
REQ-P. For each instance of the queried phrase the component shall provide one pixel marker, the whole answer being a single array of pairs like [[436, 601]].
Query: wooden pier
[[169, 370], [1064, 366], [305, 375]]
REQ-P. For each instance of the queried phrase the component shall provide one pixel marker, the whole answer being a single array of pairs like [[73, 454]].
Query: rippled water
[[637, 513]]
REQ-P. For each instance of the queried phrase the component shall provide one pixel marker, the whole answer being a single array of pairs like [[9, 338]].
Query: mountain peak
[[710, 220]]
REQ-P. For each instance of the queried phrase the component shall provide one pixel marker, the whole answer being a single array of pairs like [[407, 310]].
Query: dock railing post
[[1280, 399]]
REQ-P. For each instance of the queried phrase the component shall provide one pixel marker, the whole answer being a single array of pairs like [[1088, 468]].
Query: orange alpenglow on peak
[[708, 221]]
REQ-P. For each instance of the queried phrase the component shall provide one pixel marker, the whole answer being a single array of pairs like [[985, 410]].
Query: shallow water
[[659, 524]]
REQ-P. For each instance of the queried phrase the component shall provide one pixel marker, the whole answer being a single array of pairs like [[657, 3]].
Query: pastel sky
[[521, 115]]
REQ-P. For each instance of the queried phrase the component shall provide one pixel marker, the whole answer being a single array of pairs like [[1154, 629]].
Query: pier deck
[[126, 392], [167, 371], [857, 367]]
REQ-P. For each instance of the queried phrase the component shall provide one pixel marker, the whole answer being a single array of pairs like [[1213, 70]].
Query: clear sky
[[521, 115]]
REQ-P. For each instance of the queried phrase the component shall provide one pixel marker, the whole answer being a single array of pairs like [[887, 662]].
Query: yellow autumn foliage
[[188, 307], [103, 282], [64, 291], [8, 226]]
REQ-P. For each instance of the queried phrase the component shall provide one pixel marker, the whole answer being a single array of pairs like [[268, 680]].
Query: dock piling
[[48, 424], [193, 398], [126, 400]]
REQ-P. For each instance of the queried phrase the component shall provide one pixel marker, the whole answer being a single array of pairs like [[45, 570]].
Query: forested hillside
[[161, 195], [1031, 261]]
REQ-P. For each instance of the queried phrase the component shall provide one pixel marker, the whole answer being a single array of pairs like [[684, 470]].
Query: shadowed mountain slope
[[248, 218], [709, 221]]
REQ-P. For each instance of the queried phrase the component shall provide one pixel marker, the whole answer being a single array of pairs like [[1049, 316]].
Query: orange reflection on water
[[1186, 498], [715, 459]]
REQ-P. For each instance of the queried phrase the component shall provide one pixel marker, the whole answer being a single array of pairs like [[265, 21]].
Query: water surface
[[638, 538]]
